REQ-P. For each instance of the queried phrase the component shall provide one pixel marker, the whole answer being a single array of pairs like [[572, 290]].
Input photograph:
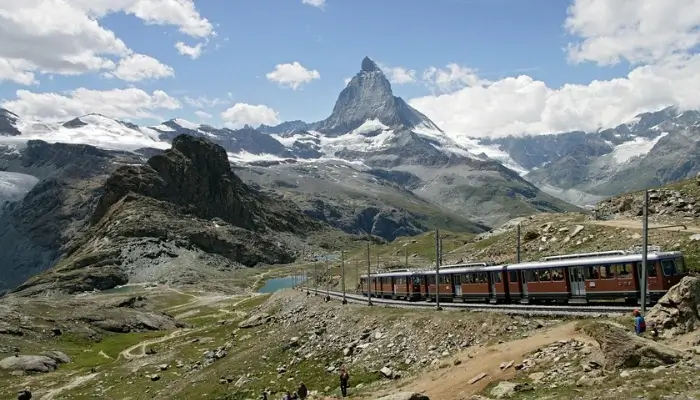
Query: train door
[[523, 279], [457, 285], [395, 285], [577, 281]]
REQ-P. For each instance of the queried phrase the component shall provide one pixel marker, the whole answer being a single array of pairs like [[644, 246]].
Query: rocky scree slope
[[183, 216]]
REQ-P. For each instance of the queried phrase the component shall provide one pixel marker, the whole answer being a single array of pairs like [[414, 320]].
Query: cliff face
[[180, 217]]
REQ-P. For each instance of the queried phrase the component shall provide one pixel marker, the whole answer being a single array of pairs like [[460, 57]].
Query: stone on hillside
[[59, 357], [404, 396], [622, 349], [29, 363], [507, 389], [677, 311], [255, 320]]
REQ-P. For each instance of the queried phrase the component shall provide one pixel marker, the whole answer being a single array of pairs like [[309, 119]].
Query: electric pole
[[369, 276], [645, 246], [342, 273], [517, 244], [315, 277], [438, 255], [405, 255]]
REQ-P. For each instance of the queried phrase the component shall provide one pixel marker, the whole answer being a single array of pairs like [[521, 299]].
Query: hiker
[[344, 377], [263, 396], [640, 325], [287, 396], [295, 396], [303, 392]]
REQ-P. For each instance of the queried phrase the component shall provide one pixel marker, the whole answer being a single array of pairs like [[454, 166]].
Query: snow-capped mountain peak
[[368, 96]]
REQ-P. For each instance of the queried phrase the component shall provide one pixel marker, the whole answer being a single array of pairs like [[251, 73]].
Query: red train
[[572, 278]]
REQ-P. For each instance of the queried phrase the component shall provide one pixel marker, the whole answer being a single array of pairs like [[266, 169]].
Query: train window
[[431, 280], [606, 272], [680, 265], [416, 280], [545, 275], [497, 277], [481, 277], [445, 279], [458, 279], [530, 276], [594, 272], [669, 267], [624, 271], [557, 274], [513, 276]]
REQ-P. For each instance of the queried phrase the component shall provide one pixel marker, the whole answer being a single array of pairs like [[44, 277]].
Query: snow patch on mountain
[[493, 152], [14, 186], [640, 146], [97, 130]]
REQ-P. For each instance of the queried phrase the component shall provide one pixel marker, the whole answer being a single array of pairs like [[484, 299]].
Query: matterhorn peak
[[369, 66], [368, 96]]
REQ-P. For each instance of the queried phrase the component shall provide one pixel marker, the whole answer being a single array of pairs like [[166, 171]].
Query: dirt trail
[[74, 383], [632, 224], [141, 347], [452, 383]]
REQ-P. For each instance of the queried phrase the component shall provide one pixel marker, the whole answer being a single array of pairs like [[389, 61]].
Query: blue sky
[[495, 38]]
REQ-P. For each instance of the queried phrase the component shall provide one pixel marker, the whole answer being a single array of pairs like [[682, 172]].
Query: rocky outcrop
[[677, 311], [665, 202], [184, 216], [622, 349], [8, 121]]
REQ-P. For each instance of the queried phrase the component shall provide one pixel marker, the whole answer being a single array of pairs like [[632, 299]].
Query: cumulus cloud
[[203, 101], [452, 77], [241, 114], [640, 33], [64, 37], [292, 75], [129, 103], [314, 3], [667, 75], [203, 115], [398, 75], [192, 52], [138, 67]]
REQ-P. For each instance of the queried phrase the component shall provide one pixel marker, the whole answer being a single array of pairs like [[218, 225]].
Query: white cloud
[[292, 75], [203, 115], [115, 103], [346, 81], [64, 37], [203, 101], [190, 51], [242, 114], [138, 67], [522, 104], [398, 75], [641, 32], [314, 3], [452, 77]]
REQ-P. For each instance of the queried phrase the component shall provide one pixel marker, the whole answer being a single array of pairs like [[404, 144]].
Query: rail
[[524, 309]]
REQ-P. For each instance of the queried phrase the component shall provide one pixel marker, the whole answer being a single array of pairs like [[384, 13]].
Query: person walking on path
[[344, 378], [640, 325]]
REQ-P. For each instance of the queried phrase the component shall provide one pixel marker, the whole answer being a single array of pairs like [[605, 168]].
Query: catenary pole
[[437, 269], [645, 245], [369, 275], [517, 244], [342, 273]]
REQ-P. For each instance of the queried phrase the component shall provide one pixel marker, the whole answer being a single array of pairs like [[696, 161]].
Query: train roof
[[585, 261], [588, 261]]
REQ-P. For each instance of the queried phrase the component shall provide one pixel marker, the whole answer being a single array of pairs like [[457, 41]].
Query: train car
[[580, 278], [394, 285]]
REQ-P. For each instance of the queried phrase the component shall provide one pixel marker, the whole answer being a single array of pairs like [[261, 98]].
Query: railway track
[[520, 309]]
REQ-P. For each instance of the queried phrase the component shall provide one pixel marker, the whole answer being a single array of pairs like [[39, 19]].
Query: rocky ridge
[[182, 216]]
